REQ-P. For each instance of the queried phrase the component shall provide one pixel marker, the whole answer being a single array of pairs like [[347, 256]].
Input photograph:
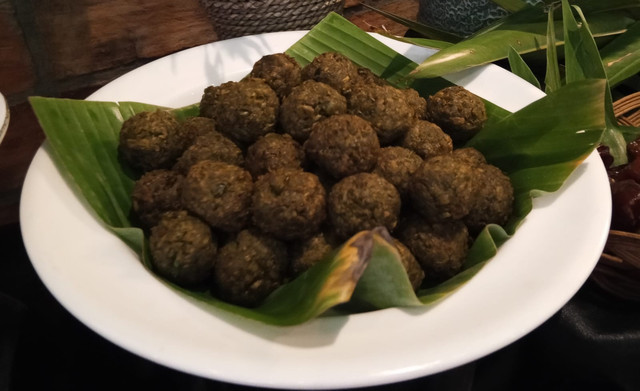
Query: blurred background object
[[463, 17], [233, 18]]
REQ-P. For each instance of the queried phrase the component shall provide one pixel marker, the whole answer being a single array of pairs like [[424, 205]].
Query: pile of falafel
[[282, 167]]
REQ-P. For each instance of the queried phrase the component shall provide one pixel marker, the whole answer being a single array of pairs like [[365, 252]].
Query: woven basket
[[618, 270], [241, 17]]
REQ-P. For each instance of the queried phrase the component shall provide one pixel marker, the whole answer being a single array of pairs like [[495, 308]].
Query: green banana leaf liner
[[538, 147]]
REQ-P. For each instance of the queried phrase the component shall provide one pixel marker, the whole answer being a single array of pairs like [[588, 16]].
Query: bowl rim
[[4, 116]]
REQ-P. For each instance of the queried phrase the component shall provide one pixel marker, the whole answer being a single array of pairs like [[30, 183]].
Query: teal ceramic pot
[[462, 17]]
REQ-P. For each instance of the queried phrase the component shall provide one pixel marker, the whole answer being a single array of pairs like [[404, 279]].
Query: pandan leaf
[[511, 5], [525, 36], [582, 61], [621, 57], [552, 79], [520, 68]]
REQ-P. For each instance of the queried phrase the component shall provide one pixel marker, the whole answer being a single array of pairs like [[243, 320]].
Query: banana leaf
[[424, 42], [365, 270]]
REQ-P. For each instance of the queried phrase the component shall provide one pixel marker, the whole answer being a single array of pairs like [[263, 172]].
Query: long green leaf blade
[[521, 69], [593, 6], [582, 61], [493, 45], [424, 42], [573, 118], [621, 57], [424, 30], [511, 5], [552, 78]]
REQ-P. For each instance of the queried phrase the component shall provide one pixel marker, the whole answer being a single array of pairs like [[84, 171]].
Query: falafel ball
[[493, 202], [397, 165], [281, 71], [183, 248], [156, 192], [440, 248], [307, 104], [366, 76], [458, 112], [307, 253], [210, 146], [363, 201], [426, 139], [219, 193], [443, 188], [289, 204], [411, 265], [417, 103], [150, 140], [385, 107], [208, 102], [194, 127], [333, 69], [274, 151], [470, 155], [343, 145], [243, 110], [249, 267]]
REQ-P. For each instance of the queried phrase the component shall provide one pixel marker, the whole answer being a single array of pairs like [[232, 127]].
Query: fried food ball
[[156, 192], [150, 140], [210, 146], [366, 76], [219, 193], [333, 69], [195, 127], [458, 112], [343, 145], [281, 71], [397, 165], [183, 248], [249, 267], [443, 188], [385, 107], [426, 139], [411, 265], [274, 151], [363, 201], [208, 102], [307, 253], [243, 110], [289, 204], [470, 155], [440, 248], [493, 202], [307, 104], [417, 103]]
